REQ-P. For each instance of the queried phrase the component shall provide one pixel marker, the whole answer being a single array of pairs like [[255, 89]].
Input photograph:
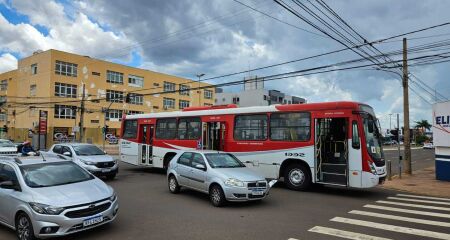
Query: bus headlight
[[372, 168], [233, 182]]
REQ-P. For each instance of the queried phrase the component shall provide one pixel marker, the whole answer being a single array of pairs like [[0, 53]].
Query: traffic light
[[105, 129]]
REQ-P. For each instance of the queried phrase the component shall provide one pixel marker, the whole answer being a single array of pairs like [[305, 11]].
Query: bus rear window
[[130, 129]]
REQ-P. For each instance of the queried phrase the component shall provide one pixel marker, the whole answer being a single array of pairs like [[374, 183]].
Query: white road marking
[[442, 215], [344, 234], [393, 228], [424, 197], [399, 218], [414, 205], [418, 200]]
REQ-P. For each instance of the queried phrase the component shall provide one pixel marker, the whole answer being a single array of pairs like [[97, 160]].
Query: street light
[[199, 91]]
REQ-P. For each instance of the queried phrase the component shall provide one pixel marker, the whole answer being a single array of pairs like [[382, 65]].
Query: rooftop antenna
[[43, 158]]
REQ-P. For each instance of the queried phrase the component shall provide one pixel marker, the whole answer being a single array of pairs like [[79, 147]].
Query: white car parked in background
[[7, 148], [88, 156]]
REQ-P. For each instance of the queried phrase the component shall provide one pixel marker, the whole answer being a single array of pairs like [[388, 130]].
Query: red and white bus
[[336, 143]]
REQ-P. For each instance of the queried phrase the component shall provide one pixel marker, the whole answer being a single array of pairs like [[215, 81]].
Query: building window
[[3, 99], [169, 87], [208, 94], [290, 126], [64, 90], [33, 90], [189, 128], [168, 103], [135, 81], [66, 69], [183, 104], [166, 128], [114, 115], [250, 127], [96, 73], [137, 99], [34, 69], [2, 117], [65, 111], [208, 104], [114, 96], [184, 89], [131, 112], [114, 77], [4, 85]]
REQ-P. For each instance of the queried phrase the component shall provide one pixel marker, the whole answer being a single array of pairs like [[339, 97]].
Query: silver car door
[[183, 168], [198, 176], [8, 197]]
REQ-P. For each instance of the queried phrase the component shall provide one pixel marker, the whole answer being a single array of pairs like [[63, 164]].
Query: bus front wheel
[[297, 177]]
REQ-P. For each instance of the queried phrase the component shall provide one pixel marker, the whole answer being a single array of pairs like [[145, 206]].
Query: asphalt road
[[421, 158], [149, 211]]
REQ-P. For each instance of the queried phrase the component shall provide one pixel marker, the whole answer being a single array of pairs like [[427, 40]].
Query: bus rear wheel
[[297, 177]]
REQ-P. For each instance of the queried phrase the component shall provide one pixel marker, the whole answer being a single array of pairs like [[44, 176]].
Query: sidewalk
[[422, 182]]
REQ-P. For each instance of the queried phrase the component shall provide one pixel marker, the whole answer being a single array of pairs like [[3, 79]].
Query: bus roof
[[255, 109]]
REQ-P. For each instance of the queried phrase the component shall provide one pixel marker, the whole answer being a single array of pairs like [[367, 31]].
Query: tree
[[423, 124]]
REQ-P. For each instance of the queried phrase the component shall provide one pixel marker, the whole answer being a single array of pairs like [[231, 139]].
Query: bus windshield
[[373, 137]]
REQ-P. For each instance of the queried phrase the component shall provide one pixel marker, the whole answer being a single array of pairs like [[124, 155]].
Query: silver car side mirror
[[200, 166]]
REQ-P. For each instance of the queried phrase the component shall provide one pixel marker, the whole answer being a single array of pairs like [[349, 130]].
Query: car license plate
[[92, 221], [106, 170], [258, 193]]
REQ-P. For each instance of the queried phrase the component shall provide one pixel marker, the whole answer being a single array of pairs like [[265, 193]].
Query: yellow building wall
[[95, 88]]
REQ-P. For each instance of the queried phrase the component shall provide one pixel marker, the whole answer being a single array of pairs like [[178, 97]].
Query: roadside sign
[[43, 116], [75, 129]]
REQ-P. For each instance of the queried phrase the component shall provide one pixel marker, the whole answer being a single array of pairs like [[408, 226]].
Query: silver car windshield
[[53, 174], [223, 160], [87, 150]]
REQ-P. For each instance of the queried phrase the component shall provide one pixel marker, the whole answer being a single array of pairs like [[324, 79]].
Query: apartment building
[[54, 81]]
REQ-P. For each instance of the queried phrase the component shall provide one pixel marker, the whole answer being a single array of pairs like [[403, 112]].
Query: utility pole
[[199, 91], [406, 133], [390, 121], [82, 113], [398, 148]]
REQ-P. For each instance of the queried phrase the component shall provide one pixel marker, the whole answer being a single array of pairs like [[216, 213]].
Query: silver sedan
[[219, 174]]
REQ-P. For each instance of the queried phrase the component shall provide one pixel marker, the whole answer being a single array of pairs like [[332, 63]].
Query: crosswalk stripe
[[414, 205], [399, 218], [433, 214], [393, 228], [344, 234], [423, 197], [418, 200]]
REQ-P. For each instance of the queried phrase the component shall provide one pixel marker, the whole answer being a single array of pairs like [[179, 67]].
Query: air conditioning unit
[[36, 124]]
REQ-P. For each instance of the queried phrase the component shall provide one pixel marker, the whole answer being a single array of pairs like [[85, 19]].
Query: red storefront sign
[[43, 116]]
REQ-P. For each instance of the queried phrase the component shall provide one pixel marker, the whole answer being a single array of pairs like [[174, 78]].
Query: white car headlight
[[46, 209], [87, 162], [233, 182]]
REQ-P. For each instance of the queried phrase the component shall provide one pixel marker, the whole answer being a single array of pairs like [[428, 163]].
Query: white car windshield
[[53, 174], [6, 143], [223, 160], [87, 150]]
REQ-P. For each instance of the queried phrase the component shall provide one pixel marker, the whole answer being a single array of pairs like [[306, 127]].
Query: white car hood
[[96, 158], [244, 174], [72, 194]]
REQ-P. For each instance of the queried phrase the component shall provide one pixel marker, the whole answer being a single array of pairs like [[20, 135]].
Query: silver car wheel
[[23, 228], [296, 176], [172, 184], [215, 195]]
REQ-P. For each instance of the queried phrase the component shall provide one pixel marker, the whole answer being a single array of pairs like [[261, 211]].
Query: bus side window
[[355, 135]]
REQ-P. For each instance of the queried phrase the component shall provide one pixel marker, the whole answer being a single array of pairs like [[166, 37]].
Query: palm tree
[[423, 124]]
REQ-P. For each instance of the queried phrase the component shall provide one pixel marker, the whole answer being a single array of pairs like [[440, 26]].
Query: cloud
[[7, 62], [75, 33]]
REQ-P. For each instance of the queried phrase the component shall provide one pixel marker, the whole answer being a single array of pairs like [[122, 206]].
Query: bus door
[[331, 145], [214, 135], [146, 144]]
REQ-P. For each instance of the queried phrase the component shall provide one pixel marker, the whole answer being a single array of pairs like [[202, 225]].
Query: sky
[[216, 37]]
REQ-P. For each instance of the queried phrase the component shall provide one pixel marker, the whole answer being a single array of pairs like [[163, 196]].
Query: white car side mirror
[[68, 154]]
